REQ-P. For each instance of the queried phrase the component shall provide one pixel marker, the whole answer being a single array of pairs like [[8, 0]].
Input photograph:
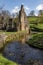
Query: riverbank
[[35, 38], [4, 61], [6, 37], [23, 54], [36, 41]]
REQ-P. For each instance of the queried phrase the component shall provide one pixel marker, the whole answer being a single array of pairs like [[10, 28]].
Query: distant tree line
[[32, 13]]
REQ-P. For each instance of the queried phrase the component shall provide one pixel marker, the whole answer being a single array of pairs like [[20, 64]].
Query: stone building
[[11, 25], [23, 23], [1, 22]]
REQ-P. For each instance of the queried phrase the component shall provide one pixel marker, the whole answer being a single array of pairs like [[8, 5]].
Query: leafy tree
[[40, 13], [32, 13]]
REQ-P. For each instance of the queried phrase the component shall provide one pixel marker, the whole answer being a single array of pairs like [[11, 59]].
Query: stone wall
[[11, 25], [23, 23]]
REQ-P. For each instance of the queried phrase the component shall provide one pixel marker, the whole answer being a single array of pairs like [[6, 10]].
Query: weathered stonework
[[11, 25], [1, 22], [23, 23]]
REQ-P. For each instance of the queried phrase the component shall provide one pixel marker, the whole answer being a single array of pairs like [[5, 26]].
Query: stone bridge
[[14, 36]]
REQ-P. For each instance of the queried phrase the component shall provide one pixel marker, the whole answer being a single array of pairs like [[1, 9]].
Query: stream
[[21, 53]]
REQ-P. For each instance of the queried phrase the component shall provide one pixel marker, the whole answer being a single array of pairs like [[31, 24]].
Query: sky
[[14, 5]]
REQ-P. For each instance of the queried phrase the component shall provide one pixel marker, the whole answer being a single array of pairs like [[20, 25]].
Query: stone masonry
[[23, 23]]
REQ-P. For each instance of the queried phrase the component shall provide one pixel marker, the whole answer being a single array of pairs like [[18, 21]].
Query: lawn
[[36, 23], [38, 27], [32, 19], [36, 41], [35, 19]]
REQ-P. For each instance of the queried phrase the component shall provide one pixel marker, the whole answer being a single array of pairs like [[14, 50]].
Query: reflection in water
[[21, 53]]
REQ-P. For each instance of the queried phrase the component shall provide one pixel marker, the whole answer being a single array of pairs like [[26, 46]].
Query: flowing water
[[21, 53]]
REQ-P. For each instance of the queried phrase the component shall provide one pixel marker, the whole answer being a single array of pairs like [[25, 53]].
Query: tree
[[13, 15], [40, 13], [1, 8], [32, 13], [5, 13]]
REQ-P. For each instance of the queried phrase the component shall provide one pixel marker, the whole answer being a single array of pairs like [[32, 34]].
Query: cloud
[[36, 14], [26, 9], [39, 7], [17, 8]]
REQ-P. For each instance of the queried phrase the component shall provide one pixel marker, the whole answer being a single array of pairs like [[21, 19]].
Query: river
[[21, 53]]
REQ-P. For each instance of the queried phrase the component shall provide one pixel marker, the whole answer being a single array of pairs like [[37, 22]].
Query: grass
[[36, 41], [34, 19], [36, 23], [38, 27], [7, 33], [4, 61]]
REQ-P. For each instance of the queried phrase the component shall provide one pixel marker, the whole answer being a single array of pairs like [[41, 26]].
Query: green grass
[[36, 41], [12, 32], [40, 26], [36, 23], [32, 18], [4, 61]]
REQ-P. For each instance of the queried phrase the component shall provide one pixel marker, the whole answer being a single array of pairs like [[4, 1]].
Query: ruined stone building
[[11, 25], [1, 22], [22, 23]]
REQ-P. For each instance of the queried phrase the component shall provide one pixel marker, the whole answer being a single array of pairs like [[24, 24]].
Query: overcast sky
[[14, 5]]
